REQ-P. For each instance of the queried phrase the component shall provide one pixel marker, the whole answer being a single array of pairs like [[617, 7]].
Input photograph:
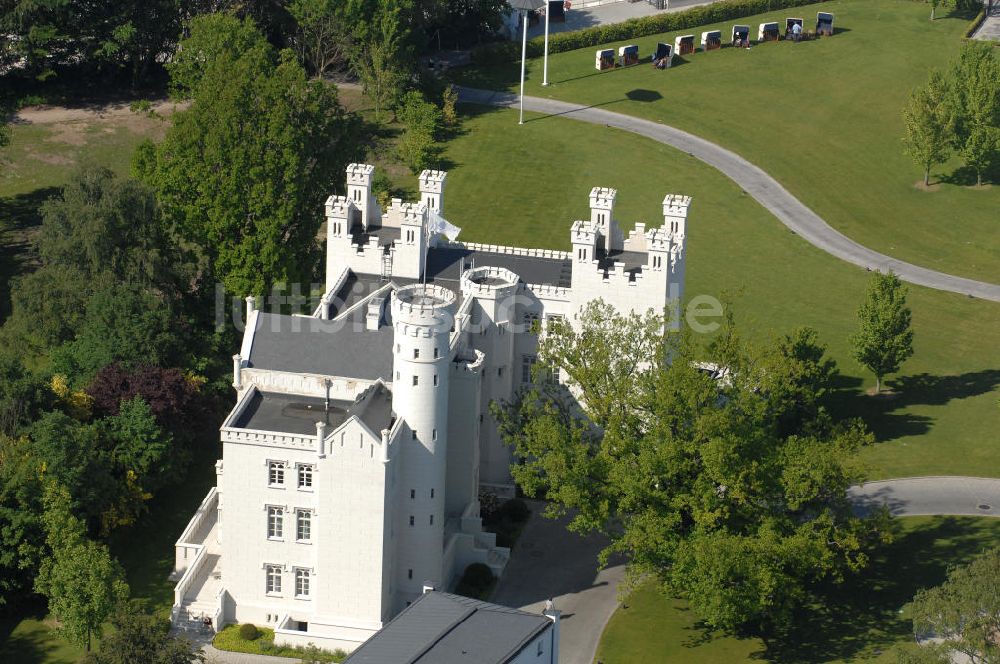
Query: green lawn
[[822, 117], [861, 622], [525, 185]]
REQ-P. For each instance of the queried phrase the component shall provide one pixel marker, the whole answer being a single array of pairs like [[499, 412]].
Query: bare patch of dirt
[[70, 133], [932, 187], [885, 395], [61, 114]]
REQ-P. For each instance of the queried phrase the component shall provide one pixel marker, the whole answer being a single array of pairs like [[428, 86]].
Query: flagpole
[[545, 66], [524, 53]]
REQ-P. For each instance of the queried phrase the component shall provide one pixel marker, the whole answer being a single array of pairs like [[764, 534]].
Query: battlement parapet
[[489, 281], [423, 306], [360, 174], [432, 181], [554, 254], [546, 291], [603, 198], [658, 239], [583, 231], [411, 213], [676, 204], [338, 207]]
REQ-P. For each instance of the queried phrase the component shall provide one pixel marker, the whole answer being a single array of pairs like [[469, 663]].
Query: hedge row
[[632, 28]]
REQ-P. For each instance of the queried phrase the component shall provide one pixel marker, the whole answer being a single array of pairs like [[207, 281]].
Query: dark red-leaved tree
[[170, 395]]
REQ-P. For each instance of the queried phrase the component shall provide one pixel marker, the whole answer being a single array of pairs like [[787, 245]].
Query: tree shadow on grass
[[29, 646], [863, 615], [965, 176], [879, 413], [19, 219]]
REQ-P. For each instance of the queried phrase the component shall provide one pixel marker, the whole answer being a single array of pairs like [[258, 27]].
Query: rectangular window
[[409, 574], [434, 434], [303, 525], [432, 493], [413, 434], [273, 579], [413, 494], [432, 519], [435, 380], [276, 473], [275, 522], [411, 519], [437, 352], [416, 380], [302, 578], [305, 476], [499, 372], [527, 362], [416, 353]]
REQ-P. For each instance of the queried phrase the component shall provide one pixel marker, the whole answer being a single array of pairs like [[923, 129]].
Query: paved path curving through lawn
[[758, 184], [931, 496]]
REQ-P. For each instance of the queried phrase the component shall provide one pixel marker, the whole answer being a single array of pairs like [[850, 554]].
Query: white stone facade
[[361, 436]]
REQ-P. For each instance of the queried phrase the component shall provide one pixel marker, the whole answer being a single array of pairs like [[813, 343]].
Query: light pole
[[525, 6]]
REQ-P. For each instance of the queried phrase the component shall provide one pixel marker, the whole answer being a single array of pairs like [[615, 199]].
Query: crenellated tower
[[602, 215], [432, 189], [359, 191]]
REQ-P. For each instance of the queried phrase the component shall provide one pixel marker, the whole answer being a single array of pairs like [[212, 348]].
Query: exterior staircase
[[201, 599], [198, 568]]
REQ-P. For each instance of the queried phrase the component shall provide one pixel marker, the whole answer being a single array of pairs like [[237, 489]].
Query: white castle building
[[361, 436]]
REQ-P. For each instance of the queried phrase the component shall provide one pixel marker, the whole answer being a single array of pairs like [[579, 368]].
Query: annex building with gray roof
[[441, 628]]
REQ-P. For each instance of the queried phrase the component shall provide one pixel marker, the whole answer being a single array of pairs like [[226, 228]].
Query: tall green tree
[[323, 38], [418, 147], [382, 58], [928, 125], [213, 40], [964, 611], [243, 172], [884, 339], [102, 223], [980, 149], [141, 637], [123, 323], [103, 37], [975, 102], [731, 492], [22, 538], [73, 455], [80, 579]]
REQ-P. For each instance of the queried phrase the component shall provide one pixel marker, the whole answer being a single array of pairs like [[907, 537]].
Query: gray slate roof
[[295, 414], [441, 628], [447, 263], [331, 348]]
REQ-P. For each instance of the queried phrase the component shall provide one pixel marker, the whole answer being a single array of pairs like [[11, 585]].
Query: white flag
[[438, 224]]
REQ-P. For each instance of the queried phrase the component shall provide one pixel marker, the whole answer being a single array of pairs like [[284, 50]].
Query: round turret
[[422, 318]]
